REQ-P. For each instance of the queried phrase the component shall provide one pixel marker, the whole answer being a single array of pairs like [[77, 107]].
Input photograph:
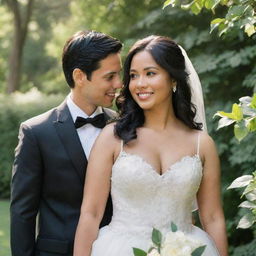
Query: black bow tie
[[97, 121]]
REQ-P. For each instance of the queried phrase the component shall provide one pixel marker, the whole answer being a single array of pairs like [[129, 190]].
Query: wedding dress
[[143, 199]]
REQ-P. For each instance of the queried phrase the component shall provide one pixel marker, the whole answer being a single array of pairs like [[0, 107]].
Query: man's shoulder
[[112, 114], [42, 119]]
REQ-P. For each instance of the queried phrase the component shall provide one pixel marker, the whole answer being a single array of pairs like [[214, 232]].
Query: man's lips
[[111, 94]]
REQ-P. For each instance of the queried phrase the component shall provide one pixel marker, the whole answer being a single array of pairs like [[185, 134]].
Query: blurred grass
[[4, 228]]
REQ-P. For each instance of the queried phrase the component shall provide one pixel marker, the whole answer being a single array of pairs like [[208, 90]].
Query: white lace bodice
[[143, 199]]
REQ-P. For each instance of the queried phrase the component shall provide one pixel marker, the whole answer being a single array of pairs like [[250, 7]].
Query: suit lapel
[[69, 137]]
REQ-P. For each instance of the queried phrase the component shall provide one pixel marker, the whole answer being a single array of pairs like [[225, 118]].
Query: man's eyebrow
[[111, 73]]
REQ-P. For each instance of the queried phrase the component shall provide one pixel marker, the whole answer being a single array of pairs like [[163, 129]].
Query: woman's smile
[[144, 95]]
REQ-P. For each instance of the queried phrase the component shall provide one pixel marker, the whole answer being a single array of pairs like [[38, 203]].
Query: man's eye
[[109, 78]]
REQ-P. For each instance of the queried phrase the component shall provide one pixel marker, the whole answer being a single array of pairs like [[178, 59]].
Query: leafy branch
[[243, 115], [239, 13], [249, 182]]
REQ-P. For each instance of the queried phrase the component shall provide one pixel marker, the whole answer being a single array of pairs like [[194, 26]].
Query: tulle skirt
[[112, 243]]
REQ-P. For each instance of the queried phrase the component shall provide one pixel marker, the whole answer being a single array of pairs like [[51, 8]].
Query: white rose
[[178, 244], [169, 251], [186, 250], [154, 252]]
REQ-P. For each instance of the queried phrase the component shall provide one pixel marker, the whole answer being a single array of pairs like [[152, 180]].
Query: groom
[[51, 157]]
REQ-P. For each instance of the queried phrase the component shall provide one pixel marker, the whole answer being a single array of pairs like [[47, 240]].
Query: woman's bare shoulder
[[207, 146], [206, 140], [107, 137]]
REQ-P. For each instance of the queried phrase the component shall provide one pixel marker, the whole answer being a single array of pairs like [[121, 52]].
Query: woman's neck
[[160, 118]]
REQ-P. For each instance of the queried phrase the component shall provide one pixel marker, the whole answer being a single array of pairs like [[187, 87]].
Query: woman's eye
[[150, 73], [132, 76]]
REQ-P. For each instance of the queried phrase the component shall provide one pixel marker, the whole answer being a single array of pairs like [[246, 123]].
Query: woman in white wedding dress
[[155, 160]]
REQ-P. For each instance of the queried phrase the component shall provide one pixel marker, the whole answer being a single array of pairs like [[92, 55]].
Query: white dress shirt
[[87, 133]]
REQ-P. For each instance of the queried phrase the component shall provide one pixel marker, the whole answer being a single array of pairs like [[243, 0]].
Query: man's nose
[[118, 83]]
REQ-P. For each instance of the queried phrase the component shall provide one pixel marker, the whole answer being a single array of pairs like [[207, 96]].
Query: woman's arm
[[209, 202], [96, 190]]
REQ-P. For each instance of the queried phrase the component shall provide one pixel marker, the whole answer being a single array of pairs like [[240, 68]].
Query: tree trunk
[[15, 59], [20, 33]]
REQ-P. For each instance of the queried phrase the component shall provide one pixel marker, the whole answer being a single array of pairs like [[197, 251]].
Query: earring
[[174, 83]]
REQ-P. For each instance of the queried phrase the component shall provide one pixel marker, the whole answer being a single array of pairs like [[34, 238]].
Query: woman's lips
[[144, 95]]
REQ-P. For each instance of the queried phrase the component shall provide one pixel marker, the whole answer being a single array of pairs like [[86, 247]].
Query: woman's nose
[[140, 82]]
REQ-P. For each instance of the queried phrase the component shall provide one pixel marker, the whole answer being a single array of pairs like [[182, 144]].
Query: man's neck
[[87, 108]]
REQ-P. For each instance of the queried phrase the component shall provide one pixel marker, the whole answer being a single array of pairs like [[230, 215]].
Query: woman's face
[[150, 85]]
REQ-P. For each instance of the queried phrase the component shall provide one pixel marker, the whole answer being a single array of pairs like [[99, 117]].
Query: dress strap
[[121, 146], [198, 143]]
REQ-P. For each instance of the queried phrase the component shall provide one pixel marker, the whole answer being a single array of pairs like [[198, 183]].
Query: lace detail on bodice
[[143, 199]]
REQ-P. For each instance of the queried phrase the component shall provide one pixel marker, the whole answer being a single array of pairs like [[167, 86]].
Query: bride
[[156, 160]]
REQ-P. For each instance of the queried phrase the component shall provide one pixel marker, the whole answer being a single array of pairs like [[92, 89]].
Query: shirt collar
[[76, 111]]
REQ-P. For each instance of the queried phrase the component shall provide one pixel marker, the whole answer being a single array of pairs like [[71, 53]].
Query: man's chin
[[107, 105]]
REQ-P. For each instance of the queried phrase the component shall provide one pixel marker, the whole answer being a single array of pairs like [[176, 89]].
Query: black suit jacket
[[47, 183]]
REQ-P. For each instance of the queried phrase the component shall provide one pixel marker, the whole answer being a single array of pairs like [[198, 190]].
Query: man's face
[[100, 90]]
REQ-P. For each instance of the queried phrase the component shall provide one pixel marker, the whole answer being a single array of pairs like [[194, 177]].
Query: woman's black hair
[[168, 55]]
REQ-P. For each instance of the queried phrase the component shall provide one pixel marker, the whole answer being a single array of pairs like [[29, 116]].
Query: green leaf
[[156, 237], [223, 28], [251, 196], [218, 20], [235, 11], [174, 227], [151, 249], [240, 131], [139, 252], [249, 29], [198, 251], [245, 100], [248, 204], [169, 2], [215, 23], [196, 7], [253, 102], [209, 4], [214, 26], [224, 114], [241, 182], [187, 6], [252, 125], [246, 221], [237, 112], [216, 3], [251, 187], [224, 2], [224, 121]]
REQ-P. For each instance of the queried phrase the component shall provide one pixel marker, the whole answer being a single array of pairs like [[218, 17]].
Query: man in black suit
[[51, 157]]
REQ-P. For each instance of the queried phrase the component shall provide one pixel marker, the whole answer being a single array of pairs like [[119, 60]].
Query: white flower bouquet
[[175, 243]]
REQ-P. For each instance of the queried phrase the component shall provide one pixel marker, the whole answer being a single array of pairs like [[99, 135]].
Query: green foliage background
[[15, 109], [225, 65], [4, 228]]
